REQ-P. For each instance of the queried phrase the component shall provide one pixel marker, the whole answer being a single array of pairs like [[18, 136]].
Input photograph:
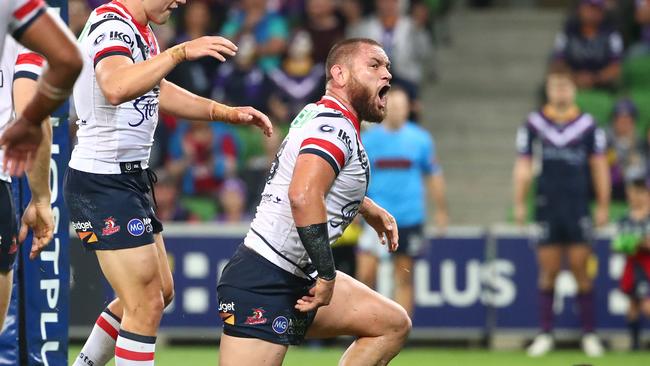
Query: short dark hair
[[343, 50], [559, 69]]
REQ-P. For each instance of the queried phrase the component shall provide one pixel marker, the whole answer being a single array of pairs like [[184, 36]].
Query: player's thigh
[[645, 307], [357, 310], [165, 270], [403, 269], [549, 258], [578, 256], [6, 282], [133, 272], [236, 351]]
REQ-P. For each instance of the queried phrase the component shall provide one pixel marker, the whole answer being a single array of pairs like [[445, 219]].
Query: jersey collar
[[331, 102], [144, 30]]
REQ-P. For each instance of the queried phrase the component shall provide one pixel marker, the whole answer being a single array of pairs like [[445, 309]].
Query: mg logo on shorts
[[135, 227], [280, 325]]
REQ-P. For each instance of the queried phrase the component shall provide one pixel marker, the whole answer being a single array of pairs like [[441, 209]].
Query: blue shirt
[[399, 162]]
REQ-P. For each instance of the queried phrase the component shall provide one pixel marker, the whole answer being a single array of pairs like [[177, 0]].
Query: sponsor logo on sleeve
[[345, 139], [326, 128], [119, 36], [136, 227], [99, 39]]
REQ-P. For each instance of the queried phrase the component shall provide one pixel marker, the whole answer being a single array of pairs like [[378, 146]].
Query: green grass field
[[203, 355]]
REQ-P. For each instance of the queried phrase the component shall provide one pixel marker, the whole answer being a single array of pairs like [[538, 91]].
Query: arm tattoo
[[315, 239]]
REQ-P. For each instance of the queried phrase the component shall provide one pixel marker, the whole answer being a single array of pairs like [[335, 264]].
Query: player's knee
[[400, 325], [645, 308], [547, 279]]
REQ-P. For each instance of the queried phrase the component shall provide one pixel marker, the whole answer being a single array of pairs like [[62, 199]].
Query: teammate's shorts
[[411, 241], [8, 228], [111, 211], [257, 299], [636, 276], [564, 226]]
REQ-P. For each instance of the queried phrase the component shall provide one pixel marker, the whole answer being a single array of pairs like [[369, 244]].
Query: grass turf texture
[[204, 355]]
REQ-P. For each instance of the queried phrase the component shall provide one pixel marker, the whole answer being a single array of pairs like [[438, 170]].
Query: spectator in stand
[[78, 11], [408, 46], [168, 205], [325, 27], [203, 157], [625, 153], [299, 80], [634, 229], [405, 168], [590, 47], [196, 75], [269, 29], [352, 11]]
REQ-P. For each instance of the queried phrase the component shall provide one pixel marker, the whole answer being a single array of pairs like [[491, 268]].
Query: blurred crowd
[[214, 171], [606, 44]]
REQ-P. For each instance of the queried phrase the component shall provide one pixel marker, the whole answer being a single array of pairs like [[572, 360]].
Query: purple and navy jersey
[[565, 152], [588, 54]]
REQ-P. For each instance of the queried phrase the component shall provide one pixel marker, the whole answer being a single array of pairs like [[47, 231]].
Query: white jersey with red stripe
[[330, 131], [110, 134], [16, 16], [17, 62]]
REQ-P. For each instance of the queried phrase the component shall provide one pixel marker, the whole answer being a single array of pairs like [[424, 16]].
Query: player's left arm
[[435, 184], [600, 177], [38, 214], [182, 103], [382, 222]]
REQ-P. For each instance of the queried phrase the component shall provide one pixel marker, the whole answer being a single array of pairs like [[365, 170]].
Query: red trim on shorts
[[30, 58], [30, 6], [133, 355], [107, 327], [327, 146]]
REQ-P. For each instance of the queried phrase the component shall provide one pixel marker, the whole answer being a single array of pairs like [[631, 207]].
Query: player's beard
[[362, 100]]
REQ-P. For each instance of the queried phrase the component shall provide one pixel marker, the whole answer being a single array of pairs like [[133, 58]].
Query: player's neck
[[342, 99], [136, 9], [561, 113]]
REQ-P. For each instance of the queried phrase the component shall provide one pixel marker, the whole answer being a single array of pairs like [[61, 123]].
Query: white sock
[[100, 345], [134, 350]]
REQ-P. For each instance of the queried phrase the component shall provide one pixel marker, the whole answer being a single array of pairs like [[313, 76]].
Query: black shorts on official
[[563, 226], [411, 240], [257, 299], [8, 228], [111, 211]]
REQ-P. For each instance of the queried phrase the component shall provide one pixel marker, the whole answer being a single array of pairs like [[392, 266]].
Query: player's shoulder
[[110, 16], [315, 117]]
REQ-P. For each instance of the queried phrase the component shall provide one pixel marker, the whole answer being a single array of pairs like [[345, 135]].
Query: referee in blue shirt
[[403, 165]]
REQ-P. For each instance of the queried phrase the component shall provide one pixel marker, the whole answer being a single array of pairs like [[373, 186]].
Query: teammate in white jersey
[[108, 184], [19, 70], [28, 22], [281, 284]]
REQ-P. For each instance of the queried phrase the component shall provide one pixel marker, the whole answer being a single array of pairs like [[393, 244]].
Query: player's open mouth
[[383, 92]]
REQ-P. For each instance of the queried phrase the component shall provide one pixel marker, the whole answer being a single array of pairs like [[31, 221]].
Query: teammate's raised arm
[[38, 214], [48, 36], [182, 103]]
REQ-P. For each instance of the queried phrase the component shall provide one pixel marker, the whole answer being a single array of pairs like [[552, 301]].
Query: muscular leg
[[403, 272], [380, 324], [234, 351], [99, 348], [579, 255], [6, 283], [549, 258], [367, 264]]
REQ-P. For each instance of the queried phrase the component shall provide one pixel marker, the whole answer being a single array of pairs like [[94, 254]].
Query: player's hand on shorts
[[251, 116], [319, 295], [20, 142], [38, 217], [601, 215], [384, 224], [213, 46]]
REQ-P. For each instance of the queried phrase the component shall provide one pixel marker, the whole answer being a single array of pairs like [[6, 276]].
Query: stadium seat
[[596, 102], [636, 72]]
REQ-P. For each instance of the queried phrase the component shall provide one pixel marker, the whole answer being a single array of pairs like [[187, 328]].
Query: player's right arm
[[522, 174], [121, 80], [42, 33]]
